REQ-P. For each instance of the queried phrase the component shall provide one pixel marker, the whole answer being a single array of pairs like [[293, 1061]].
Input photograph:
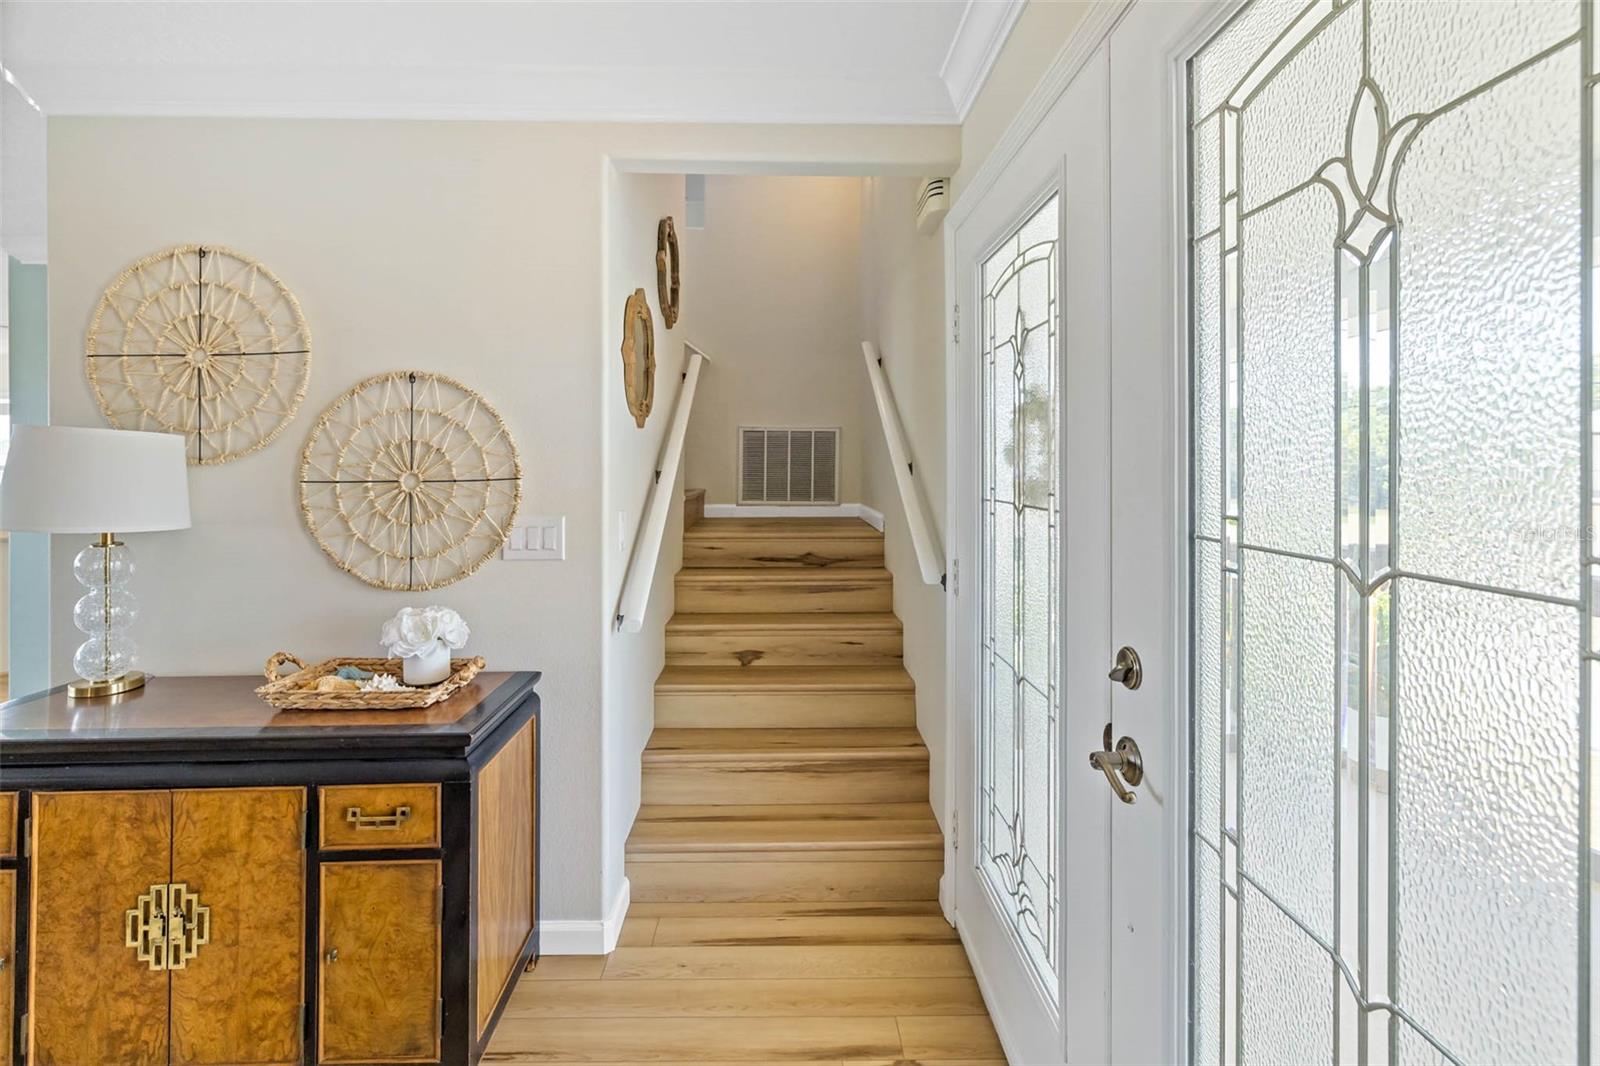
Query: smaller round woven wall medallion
[[410, 481], [203, 341]]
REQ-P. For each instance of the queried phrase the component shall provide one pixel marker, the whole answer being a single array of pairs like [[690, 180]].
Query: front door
[[1354, 244]]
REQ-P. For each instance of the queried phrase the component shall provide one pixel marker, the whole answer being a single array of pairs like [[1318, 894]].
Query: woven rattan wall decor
[[410, 481], [639, 356], [668, 285], [203, 341]]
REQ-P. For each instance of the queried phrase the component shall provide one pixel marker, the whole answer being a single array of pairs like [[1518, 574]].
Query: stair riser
[[778, 647], [735, 597], [828, 553], [696, 882], [799, 710], [844, 781]]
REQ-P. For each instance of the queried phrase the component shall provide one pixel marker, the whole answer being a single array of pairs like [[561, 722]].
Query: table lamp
[[64, 479]]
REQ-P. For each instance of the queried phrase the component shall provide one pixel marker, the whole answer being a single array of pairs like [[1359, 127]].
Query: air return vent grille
[[788, 465]]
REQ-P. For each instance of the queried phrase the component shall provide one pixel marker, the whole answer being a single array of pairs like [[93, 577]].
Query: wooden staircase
[[784, 863], [786, 767]]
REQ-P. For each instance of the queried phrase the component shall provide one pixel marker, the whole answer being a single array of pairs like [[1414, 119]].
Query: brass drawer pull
[[167, 926], [401, 815]]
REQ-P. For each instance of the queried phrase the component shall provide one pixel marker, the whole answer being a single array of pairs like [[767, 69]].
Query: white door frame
[[1189, 26]]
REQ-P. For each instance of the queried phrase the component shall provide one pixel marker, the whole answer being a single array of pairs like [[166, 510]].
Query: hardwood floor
[[785, 863]]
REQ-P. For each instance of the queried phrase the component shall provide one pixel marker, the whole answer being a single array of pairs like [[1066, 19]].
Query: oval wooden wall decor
[[410, 481], [203, 341], [639, 356], [667, 284]]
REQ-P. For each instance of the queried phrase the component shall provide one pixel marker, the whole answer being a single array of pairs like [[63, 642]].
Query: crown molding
[[1095, 26], [548, 94], [985, 25]]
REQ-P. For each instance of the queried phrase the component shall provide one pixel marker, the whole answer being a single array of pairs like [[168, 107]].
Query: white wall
[[470, 248], [902, 310], [776, 302], [635, 203]]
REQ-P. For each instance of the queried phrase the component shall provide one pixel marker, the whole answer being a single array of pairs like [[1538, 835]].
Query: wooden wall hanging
[[639, 356], [203, 341], [410, 481], [667, 283]]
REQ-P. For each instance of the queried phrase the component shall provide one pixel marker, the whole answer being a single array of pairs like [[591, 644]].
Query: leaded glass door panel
[[1392, 555]]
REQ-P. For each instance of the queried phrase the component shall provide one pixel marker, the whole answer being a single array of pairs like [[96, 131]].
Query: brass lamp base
[[82, 690]]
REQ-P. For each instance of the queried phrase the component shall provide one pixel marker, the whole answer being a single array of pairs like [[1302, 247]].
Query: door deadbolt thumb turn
[[1127, 669]]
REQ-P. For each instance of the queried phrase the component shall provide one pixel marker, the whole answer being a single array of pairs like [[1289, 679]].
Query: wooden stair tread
[[792, 621], [781, 528], [783, 827], [785, 679], [709, 575], [787, 745]]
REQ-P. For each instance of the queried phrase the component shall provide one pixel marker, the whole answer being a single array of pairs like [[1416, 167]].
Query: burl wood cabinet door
[[90, 998], [378, 972], [239, 1001], [8, 953]]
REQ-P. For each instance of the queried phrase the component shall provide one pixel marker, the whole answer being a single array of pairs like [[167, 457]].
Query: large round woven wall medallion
[[202, 341], [410, 481]]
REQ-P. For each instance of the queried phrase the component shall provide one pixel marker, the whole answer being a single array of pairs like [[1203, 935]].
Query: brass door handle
[[355, 817], [167, 926], [1124, 759], [1127, 670]]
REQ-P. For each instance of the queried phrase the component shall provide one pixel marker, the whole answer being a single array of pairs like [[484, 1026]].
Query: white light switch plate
[[537, 537]]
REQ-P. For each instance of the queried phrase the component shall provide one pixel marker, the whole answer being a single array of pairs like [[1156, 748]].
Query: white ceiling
[[853, 61]]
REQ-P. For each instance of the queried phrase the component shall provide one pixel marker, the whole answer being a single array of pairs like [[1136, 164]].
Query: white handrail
[[653, 525], [924, 538]]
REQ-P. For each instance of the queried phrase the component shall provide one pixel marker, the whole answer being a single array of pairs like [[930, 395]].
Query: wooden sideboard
[[188, 876]]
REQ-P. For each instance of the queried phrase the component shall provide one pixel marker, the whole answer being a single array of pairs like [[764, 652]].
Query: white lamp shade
[[65, 479]]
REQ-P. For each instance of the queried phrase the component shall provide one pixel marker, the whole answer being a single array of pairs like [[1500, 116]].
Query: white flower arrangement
[[415, 629]]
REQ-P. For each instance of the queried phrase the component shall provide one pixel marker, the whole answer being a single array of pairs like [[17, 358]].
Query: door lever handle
[[1124, 760]]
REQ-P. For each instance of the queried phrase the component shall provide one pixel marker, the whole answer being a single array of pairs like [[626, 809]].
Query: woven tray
[[298, 691]]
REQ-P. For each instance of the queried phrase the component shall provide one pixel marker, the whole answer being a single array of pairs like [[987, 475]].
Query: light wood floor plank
[[568, 968], [950, 1038], [669, 998], [850, 960], [695, 1039], [637, 932]]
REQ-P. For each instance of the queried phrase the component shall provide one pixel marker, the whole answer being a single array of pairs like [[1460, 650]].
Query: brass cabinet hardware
[[3, 961], [167, 926], [400, 816], [1125, 759], [1127, 670], [332, 956]]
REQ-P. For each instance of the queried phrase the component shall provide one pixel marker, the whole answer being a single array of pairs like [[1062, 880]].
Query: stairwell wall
[[630, 662]]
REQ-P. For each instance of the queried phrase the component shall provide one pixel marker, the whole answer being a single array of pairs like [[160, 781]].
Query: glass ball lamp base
[[105, 612]]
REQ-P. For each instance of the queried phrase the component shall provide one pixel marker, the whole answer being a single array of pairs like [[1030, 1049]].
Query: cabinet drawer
[[379, 816]]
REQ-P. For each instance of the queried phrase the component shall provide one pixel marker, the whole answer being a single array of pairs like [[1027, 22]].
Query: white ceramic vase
[[428, 667]]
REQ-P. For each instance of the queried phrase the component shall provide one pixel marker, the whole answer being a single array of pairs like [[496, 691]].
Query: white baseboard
[[587, 937], [870, 515]]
